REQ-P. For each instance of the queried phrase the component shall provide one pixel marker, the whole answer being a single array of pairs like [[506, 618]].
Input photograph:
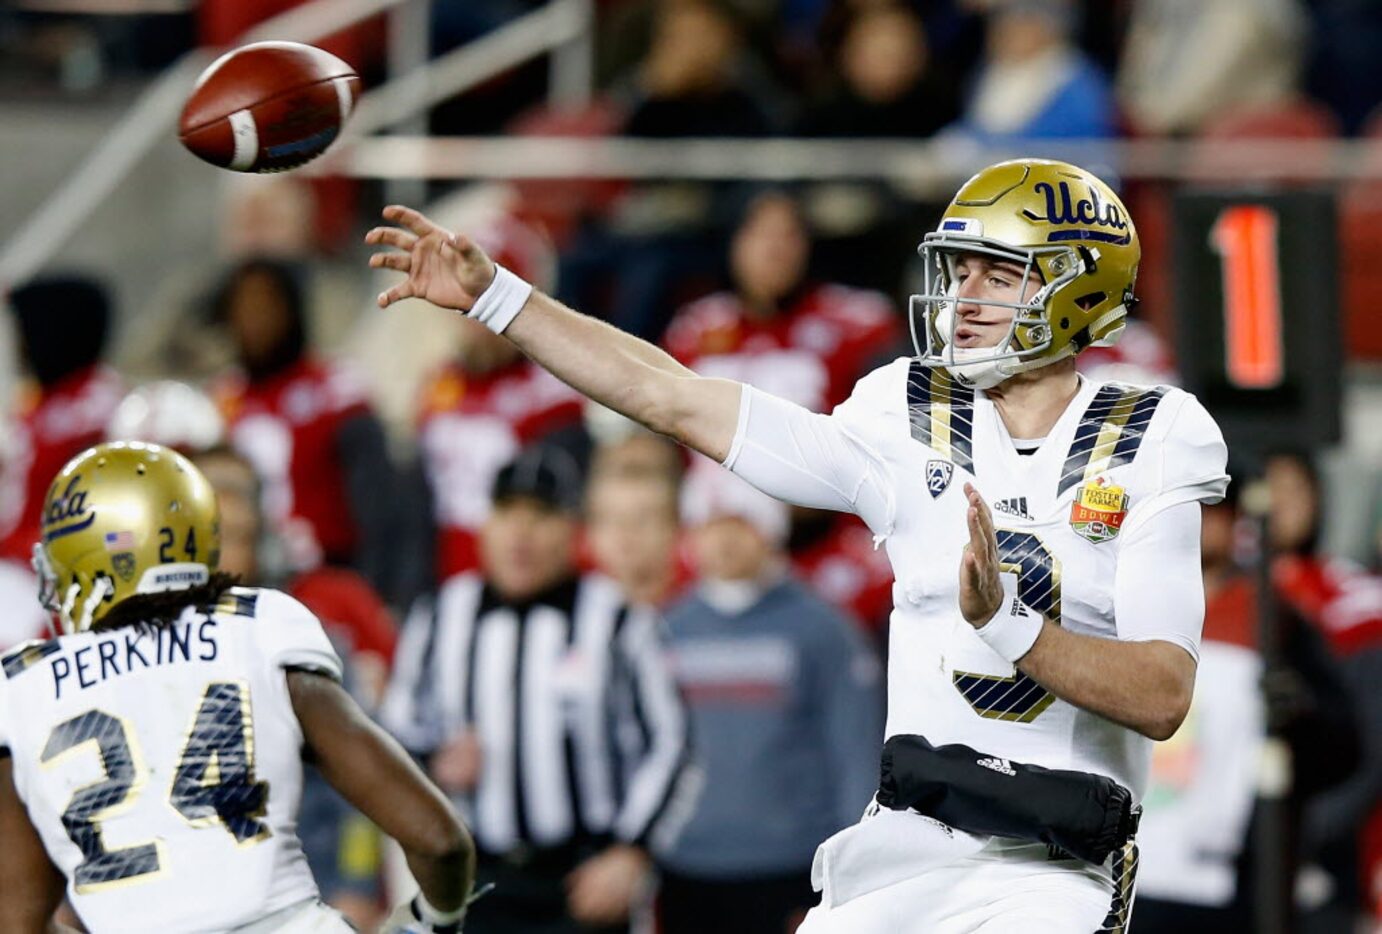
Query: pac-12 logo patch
[[1098, 511], [938, 474], [124, 565]]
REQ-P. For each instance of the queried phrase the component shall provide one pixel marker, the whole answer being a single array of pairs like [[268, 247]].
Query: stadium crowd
[[401, 477]]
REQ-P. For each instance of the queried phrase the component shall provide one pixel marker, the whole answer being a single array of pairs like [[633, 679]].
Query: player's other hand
[[455, 767], [444, 268], [601, 890], [981, 588]]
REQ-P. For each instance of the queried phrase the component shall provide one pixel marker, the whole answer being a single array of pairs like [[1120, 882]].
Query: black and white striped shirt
[[582, 731]]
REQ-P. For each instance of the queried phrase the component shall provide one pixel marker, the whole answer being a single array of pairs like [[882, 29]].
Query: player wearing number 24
[[151, 754], [1064, 636]]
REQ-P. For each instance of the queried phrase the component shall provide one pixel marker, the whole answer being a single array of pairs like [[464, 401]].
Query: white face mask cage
[[65, 605], [931, 314], [47, 587]]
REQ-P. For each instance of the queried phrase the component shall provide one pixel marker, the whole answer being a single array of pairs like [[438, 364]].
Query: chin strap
[[100, 589], [1105, 324], [68, 602]]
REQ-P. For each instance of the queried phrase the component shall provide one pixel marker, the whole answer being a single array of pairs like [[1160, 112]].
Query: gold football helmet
[[121, 519], [1049, 217]]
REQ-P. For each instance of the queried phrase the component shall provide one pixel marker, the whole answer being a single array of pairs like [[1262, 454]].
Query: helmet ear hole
[[1090, 301]]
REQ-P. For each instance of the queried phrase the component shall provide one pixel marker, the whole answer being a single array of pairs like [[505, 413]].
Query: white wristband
[[499, 304], [434, 917], [1013, 630]]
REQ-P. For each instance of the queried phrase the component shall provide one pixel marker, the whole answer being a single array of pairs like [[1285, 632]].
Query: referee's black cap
[[546, 474]]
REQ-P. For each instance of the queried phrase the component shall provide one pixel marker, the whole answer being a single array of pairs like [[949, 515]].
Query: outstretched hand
[[446, 269], [601, 890], [981, 587]]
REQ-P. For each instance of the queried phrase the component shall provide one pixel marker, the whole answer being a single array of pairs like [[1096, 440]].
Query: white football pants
[[309, 917], [899, 873]]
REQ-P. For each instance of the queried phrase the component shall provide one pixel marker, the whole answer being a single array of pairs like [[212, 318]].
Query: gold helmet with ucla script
[[1051, 218], [121, 519]]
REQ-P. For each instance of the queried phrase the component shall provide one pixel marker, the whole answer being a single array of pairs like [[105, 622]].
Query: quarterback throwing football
[[1043, 530]]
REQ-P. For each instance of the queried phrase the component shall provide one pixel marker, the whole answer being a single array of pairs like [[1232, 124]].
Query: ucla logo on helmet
[[68, 513], [938, 474], [1062, 208]]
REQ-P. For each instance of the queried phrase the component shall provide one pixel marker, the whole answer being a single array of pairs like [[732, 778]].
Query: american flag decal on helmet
[[120, 541]]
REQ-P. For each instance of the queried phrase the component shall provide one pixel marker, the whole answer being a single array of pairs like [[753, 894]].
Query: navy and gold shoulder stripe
[[25, 656], [239, 603], [942, 413], [1110, 431]]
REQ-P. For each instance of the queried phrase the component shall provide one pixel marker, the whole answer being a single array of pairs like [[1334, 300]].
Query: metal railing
[[921, 166], [563, 29]]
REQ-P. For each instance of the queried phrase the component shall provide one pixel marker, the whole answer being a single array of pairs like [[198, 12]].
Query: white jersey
[[1098, 530], [162, 765]]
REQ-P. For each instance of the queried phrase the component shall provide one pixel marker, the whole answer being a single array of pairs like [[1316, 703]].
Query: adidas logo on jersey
[[1016, 506], [1002, 766]]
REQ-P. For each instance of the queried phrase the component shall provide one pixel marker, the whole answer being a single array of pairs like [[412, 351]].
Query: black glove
[[1087, 815]]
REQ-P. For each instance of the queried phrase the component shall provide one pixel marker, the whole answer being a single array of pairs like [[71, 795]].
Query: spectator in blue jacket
[[1034, 82], [786, 706]]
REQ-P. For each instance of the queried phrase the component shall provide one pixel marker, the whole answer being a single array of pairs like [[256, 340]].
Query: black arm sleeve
[[1087, 815]]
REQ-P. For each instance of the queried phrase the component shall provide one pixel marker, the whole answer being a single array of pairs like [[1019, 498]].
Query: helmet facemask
[[75, 606], [934, 320]]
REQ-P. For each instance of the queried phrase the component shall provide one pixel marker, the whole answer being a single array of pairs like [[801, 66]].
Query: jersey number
[[1018, 697], [213, 783]]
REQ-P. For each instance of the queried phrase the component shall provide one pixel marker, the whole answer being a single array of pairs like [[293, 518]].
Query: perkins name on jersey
[[77, 666]]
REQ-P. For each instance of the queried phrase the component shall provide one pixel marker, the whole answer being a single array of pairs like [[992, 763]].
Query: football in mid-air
[[268, 107]]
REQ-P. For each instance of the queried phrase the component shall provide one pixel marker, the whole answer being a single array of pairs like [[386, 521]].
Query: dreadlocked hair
[[158, 610]]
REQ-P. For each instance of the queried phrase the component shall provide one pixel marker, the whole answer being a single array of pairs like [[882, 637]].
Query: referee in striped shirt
[[543, 704]]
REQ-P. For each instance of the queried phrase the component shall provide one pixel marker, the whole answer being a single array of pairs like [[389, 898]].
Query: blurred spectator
[[889, 84], [352, 613], [267, 217], [776, 329], [786, 708], [1345, 37], [308, 429], [622, 445], [1187, 61], [1197, 865], [62, 324], [341, 846], [1033, 82], [686, 85], [633, 529], [1343, 603], [692, 83], [807, 342], [541, 702], [477, 414], [487, 403], [169, 413]]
